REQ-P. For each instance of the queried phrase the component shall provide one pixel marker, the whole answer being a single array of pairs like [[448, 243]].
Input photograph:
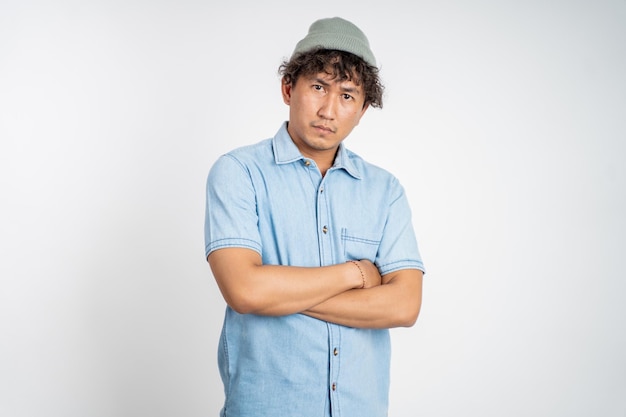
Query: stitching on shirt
[[403, 261], [360, 240], [345, 236], [401, 264], [241, 165], [233, 243]]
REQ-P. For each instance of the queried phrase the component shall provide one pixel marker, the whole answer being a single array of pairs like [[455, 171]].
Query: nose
[[327, 107]]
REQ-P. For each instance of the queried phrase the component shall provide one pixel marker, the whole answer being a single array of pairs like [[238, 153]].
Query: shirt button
[[325, 229], [307, 162], [334, 387], [336, 352]]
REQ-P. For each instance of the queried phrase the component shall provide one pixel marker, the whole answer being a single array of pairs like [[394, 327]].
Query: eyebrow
[[344, 89]]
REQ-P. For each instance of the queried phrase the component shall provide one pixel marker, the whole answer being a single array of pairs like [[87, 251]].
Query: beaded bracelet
[[360, 270]]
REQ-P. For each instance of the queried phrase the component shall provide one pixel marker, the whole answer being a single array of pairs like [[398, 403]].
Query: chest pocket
[[358, 245]]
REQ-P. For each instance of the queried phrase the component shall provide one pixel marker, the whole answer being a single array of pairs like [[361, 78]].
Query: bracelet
[[360, 270]]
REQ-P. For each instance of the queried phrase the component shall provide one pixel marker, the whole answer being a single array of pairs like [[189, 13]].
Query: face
[[322, 113]]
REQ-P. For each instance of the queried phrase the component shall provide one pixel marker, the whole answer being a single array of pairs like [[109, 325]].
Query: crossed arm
[[336, 293]]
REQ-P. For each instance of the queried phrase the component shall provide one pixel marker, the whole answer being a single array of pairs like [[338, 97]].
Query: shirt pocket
[[359, 245]]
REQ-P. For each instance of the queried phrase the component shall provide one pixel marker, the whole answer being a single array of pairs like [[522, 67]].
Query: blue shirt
[[269, 198]]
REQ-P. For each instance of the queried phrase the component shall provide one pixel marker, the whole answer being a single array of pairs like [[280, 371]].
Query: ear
[[286, 89]]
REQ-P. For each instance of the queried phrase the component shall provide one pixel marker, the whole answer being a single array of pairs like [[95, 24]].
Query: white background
[[505, 121]]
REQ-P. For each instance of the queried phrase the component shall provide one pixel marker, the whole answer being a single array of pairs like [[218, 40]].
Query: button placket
[[326, 252], [323, 219], [334, 362]]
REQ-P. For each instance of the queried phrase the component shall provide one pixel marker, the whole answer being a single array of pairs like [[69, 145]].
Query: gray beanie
[[337, 33]]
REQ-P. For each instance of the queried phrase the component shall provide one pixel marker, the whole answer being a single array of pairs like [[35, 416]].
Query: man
[[312, 247]]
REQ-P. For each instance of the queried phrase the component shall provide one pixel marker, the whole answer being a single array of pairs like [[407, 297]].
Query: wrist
[[361, 274]]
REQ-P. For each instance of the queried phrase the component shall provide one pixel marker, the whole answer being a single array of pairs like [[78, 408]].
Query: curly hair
[[343, 66]]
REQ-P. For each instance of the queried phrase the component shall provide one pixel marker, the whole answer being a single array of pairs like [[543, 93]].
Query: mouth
[[322, 128]]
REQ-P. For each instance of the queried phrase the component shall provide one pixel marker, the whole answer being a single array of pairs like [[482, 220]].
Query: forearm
[[249, 287], [394, 304], [281, 290]]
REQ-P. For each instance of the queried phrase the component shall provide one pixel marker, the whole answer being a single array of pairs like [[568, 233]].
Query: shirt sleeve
[[398, 248], [231, 218]]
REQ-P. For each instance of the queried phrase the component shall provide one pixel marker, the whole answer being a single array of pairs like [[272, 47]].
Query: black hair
[[341, 65]]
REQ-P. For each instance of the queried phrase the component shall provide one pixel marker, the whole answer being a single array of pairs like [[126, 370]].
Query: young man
[[312, 247]]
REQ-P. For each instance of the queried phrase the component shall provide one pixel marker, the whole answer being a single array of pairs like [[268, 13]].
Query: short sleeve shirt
[[269, 198]]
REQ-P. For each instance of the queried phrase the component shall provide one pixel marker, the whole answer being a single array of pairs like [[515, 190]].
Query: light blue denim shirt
[[269, 198]]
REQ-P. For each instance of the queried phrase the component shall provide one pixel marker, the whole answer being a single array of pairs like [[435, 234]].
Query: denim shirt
[[269, 198]]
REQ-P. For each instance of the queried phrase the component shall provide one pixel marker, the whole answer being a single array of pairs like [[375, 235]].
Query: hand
[[371, 274]]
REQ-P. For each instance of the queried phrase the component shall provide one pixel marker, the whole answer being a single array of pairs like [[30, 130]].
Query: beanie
[[337, 33]]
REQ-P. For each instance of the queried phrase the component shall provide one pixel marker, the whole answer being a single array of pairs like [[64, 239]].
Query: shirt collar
[[286, 152]]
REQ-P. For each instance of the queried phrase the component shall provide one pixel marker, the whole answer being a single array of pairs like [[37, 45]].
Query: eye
[[318, 87], [347, 97]]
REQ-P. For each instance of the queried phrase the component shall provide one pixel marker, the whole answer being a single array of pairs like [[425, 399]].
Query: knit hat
[[337, 33]]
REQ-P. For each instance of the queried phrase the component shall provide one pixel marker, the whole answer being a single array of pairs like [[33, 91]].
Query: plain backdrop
[[504, 120]]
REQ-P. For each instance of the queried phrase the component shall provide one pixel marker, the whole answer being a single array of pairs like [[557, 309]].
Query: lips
[[326, 129]]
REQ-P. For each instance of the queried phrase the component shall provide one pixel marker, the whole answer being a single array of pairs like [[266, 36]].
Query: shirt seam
[[232, 242], [402, 264]]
